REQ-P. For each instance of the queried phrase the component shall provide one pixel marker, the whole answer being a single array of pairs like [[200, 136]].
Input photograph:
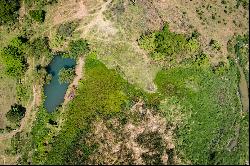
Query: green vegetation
[[215, 44], [15, 114], [37, 15], [200, 100], [66, 75], [241, 50], [244, 3], [102, 94], [39, 3], [40, 48], [238, 46], [154, 142], [77, 48], [9, 11], [211, 109], [163, 44], [66, 30], [13, 58]]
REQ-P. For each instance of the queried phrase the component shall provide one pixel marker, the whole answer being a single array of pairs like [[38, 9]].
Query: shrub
[[38, 15], [16, 113], [215, 44], [14, 61], [66, 75], [40, 47], [66, 30], [78, 47], [9, 11], [163, 44]]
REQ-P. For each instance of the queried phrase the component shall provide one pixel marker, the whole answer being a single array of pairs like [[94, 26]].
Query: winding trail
[[26, 118]]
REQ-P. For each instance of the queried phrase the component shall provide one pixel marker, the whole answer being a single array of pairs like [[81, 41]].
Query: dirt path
[[243, 89], [79, 75], [25, 120], [103, 25]]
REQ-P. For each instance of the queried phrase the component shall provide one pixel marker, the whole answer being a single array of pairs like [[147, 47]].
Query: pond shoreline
[[70, 93]]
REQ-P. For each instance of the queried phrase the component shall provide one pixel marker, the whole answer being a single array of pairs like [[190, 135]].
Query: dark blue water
[[54, 91]]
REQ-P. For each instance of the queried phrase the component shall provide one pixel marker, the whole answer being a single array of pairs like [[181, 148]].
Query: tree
[[8, 11], [66, 75], [14, 61], [38, 15], [40, 47], [78, 47], [16, 113]]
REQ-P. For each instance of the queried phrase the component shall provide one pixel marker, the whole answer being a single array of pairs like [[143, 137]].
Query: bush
[[78, 47], [163, 44], [38, 15], [40, 3], [66, 30], [66, 75], [40, 47], [215, 44], [9, 11], [14, 61], [16, 113]]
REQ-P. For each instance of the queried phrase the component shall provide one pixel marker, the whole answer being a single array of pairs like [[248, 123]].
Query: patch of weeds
[[66, 30], [154, 142], [215, 44]]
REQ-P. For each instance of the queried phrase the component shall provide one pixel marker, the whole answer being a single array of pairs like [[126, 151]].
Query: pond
[[54, 91]]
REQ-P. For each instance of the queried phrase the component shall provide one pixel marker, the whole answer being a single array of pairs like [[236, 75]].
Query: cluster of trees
[[164, 43], [78, 47], [66, 75], [40, 47], [9, 11], [13, 57], [16, 113]]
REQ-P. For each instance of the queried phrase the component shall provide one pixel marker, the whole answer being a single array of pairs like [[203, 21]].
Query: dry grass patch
[[143, 138]]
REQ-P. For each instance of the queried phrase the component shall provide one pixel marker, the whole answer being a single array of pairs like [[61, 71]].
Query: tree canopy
[[9, 11], [13, 61], [16, 113], [78, 47], [38, 15]]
